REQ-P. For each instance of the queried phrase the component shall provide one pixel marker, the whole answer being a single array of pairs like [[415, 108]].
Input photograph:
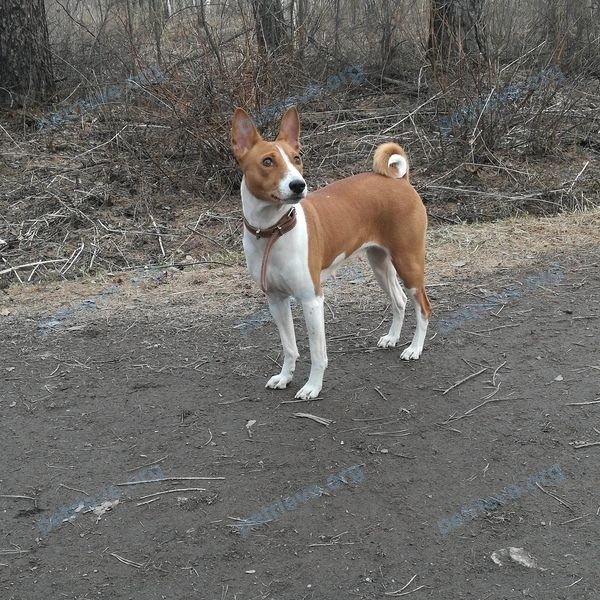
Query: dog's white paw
[[278, 382], [411, 353], [308, 392], [387, 341]]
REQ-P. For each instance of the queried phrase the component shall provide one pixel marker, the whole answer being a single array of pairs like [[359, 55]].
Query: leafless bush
[[524, 91], [216, 56], [145, 91]]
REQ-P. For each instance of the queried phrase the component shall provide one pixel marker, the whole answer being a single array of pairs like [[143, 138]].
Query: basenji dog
[[294, 240]]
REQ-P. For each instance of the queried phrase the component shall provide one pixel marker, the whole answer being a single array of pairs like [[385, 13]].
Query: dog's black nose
[[297, 186]]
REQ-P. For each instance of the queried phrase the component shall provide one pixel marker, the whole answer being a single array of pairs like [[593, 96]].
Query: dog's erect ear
[[243, 133], [289, 130]]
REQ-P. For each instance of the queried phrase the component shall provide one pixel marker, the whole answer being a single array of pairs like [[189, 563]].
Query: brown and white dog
[[294, 240]]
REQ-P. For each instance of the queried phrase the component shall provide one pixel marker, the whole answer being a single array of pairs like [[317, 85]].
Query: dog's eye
[[267, 162], [297, 160]]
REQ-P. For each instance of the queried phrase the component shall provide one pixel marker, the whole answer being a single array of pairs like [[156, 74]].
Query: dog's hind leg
[[282, 315], [410, 269], [385, 273], [423, 312]]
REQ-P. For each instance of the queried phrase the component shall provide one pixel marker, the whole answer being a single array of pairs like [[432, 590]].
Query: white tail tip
[[400, 163]]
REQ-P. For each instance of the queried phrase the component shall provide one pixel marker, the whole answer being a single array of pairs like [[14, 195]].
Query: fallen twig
[[13, 551], [578, 176], [301, 400], [400, 433], [147, 502], [33, 264], [73, 489], [101, 145], [464, 380], [71, 261], [483, 332], [321, 420], [154, 462], [162, 248], [401, 591], [554, 496], [379, 392], [169, 479], [173, 491], [492, 394], [583, 403], [575, 519], [516, 198], [496, 372], [402, 588], [16, 496], [584, 444], [466, 414], [411, 113], [126, 561]]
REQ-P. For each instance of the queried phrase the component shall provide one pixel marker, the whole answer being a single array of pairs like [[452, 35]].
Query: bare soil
[[101, 377]]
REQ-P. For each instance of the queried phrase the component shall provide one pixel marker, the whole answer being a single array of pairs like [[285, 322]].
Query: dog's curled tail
[[391, 160]]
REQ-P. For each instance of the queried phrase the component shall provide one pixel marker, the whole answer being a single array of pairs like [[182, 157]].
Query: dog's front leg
[[315, 325], [282, 315]]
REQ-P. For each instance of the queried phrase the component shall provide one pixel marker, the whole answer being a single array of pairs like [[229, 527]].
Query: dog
[[294, 240]]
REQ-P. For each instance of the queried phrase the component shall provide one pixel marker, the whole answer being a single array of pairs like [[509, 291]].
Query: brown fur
[[250, 150], [381, 157], [364, 208], [374, 207]]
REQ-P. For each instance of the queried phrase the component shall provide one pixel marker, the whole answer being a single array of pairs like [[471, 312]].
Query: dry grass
[[511, 243], [454, 252]]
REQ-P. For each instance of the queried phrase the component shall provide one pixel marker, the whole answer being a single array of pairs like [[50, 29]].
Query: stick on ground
[[464, 380]]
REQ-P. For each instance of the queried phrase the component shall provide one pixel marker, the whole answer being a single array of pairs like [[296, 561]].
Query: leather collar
[[285, 224]]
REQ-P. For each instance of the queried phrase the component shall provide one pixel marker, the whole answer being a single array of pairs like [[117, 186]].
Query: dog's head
[[272, 170]]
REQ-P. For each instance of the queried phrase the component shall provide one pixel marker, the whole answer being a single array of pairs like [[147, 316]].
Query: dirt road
[[162, 388]]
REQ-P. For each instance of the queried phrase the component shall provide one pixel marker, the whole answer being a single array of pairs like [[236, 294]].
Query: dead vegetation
[[454, 252], [131, 165]]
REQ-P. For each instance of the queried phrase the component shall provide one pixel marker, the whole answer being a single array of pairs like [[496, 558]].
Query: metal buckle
[[257, 233]]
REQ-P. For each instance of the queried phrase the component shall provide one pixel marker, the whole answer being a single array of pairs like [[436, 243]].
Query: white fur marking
[[342, 258], [331, 269], [384, 272], [314, 317], [401, 164], [282, 315], [416, 346], [291, 174]]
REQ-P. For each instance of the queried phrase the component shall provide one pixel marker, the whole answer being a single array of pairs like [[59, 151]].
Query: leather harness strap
[[285, 224]]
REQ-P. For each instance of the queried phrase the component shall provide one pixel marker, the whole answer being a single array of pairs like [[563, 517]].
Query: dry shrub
[[123, 163], [522, 94]]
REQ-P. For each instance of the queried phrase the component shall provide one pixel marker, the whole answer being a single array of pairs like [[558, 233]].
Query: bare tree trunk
[[129, 26], [336, 37], [270, 25], [209, 37], [157, 12], [456, 31], [25, 60], [387, 28], [354, 11], [301, 26], [568, 28], [557, 25]]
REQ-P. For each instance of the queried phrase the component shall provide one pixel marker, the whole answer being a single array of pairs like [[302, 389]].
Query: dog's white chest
[[287, 267]]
